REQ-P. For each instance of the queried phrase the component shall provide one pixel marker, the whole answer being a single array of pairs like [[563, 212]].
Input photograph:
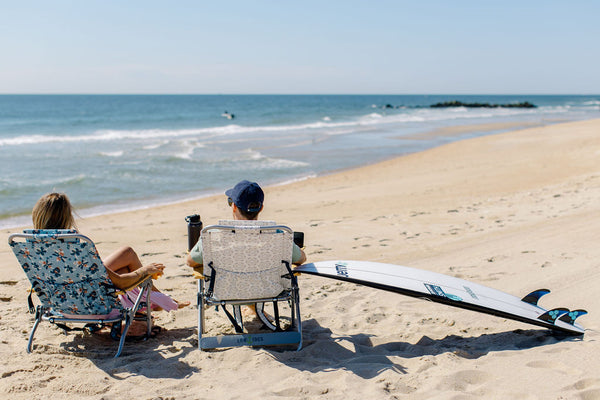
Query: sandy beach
[[515, 211]]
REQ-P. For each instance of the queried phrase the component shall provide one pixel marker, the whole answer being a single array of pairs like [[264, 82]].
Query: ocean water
[[119, 152]]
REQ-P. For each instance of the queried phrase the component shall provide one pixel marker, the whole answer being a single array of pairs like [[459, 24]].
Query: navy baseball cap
[[246, 194]]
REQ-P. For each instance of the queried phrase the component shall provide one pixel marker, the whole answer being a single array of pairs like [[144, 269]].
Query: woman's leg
[[123, 261], [125, 268]]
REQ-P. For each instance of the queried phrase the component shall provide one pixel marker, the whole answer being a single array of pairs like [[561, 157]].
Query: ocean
[[120, 152]]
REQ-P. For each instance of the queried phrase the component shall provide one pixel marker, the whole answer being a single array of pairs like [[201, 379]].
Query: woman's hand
[[153, 269]]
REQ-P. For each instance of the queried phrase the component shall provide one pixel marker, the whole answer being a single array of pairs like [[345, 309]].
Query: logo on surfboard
[[438, 291], [341, 269]]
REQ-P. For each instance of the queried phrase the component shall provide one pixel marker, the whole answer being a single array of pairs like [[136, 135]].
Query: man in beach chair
[[248, 262], [73, 286]]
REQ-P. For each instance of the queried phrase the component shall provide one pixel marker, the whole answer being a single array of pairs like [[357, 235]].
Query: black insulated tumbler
[[194, 228]]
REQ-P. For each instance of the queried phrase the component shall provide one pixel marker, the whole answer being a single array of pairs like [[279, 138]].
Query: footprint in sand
[[462, 380], [157, 240], [378, 218], [462, 272], [383, 243], [584, 384], [593, 394], [493, 276], [319, 250], [553, 365], [151, 254], [7, 299]]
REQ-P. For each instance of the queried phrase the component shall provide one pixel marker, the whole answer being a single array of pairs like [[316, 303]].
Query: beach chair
[[71, 282], [248, 263]]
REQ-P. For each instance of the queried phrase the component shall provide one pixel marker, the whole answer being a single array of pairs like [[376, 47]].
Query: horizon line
[[297, 94]]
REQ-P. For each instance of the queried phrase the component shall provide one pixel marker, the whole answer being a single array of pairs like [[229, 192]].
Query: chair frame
[[45, 312], [292, 335]]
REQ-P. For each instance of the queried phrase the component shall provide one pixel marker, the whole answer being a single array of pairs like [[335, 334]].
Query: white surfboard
[[449, 290]]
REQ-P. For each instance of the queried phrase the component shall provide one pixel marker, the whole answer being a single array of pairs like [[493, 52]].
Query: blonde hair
[[53, 211]]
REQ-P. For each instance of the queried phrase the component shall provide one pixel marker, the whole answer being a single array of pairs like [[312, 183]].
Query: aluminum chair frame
[[293, 335], [45, 312]]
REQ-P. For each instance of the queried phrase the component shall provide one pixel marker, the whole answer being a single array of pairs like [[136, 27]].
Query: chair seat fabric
[[72, 284], [247, 262], [67, 276]]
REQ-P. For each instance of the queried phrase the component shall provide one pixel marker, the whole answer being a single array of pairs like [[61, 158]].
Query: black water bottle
[[299, 239], [194, 228]]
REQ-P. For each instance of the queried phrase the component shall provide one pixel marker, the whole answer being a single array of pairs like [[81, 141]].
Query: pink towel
[[157, 299]]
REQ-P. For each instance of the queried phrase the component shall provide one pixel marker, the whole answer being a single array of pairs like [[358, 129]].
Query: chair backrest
[[241, 222], [65, 271], [247, 259]]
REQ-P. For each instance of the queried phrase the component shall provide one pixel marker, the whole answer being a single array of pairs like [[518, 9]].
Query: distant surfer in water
[[227, 115]]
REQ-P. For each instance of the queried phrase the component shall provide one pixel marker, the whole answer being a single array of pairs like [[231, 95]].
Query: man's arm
[[190, 261], [194, 258], [298, 256]]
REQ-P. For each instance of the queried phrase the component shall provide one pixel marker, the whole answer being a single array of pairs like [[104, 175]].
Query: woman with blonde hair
[[124, 268]]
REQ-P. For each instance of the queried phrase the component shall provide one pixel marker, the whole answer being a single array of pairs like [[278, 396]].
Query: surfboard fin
[[571, 316], [552, 315], [534, 297]]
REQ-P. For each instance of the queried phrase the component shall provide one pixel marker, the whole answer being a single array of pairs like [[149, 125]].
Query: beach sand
[[516, 211]]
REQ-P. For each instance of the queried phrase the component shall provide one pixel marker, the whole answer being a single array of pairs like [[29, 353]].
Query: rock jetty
[[456, 103]]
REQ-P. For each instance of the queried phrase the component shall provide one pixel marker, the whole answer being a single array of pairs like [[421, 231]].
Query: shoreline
[[458, 131], [514, 211]]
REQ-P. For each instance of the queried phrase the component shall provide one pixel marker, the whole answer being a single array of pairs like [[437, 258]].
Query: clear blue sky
[[387, 47]]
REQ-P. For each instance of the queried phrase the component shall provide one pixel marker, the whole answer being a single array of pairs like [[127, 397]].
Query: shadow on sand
[[360, 355], [138, 354]]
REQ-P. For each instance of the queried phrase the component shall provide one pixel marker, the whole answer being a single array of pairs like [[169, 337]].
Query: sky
[[300, 47]]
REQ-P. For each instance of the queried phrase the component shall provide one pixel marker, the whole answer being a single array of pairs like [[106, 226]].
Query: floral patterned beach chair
[[249, 263], [71, 282]]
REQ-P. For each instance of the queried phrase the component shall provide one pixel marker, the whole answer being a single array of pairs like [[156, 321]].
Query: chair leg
[[35, 325], [148, 311], [200, 302], [237, 316], [130, 315], [297, 320], [128, 318]]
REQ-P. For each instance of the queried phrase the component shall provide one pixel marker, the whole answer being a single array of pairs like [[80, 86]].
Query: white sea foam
[[297, 179], [258, 161], [64, 180], [116, 135], [112, 153], [186, 154], [591, 103], [162, 136], [267, 163], [154, 146]]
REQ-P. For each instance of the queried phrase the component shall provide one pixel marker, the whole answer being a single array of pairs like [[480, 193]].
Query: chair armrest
[[199, 273], [139, 282]]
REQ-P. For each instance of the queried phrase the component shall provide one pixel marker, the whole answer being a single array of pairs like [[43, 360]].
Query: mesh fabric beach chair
[[248, 263], [71, 282]]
